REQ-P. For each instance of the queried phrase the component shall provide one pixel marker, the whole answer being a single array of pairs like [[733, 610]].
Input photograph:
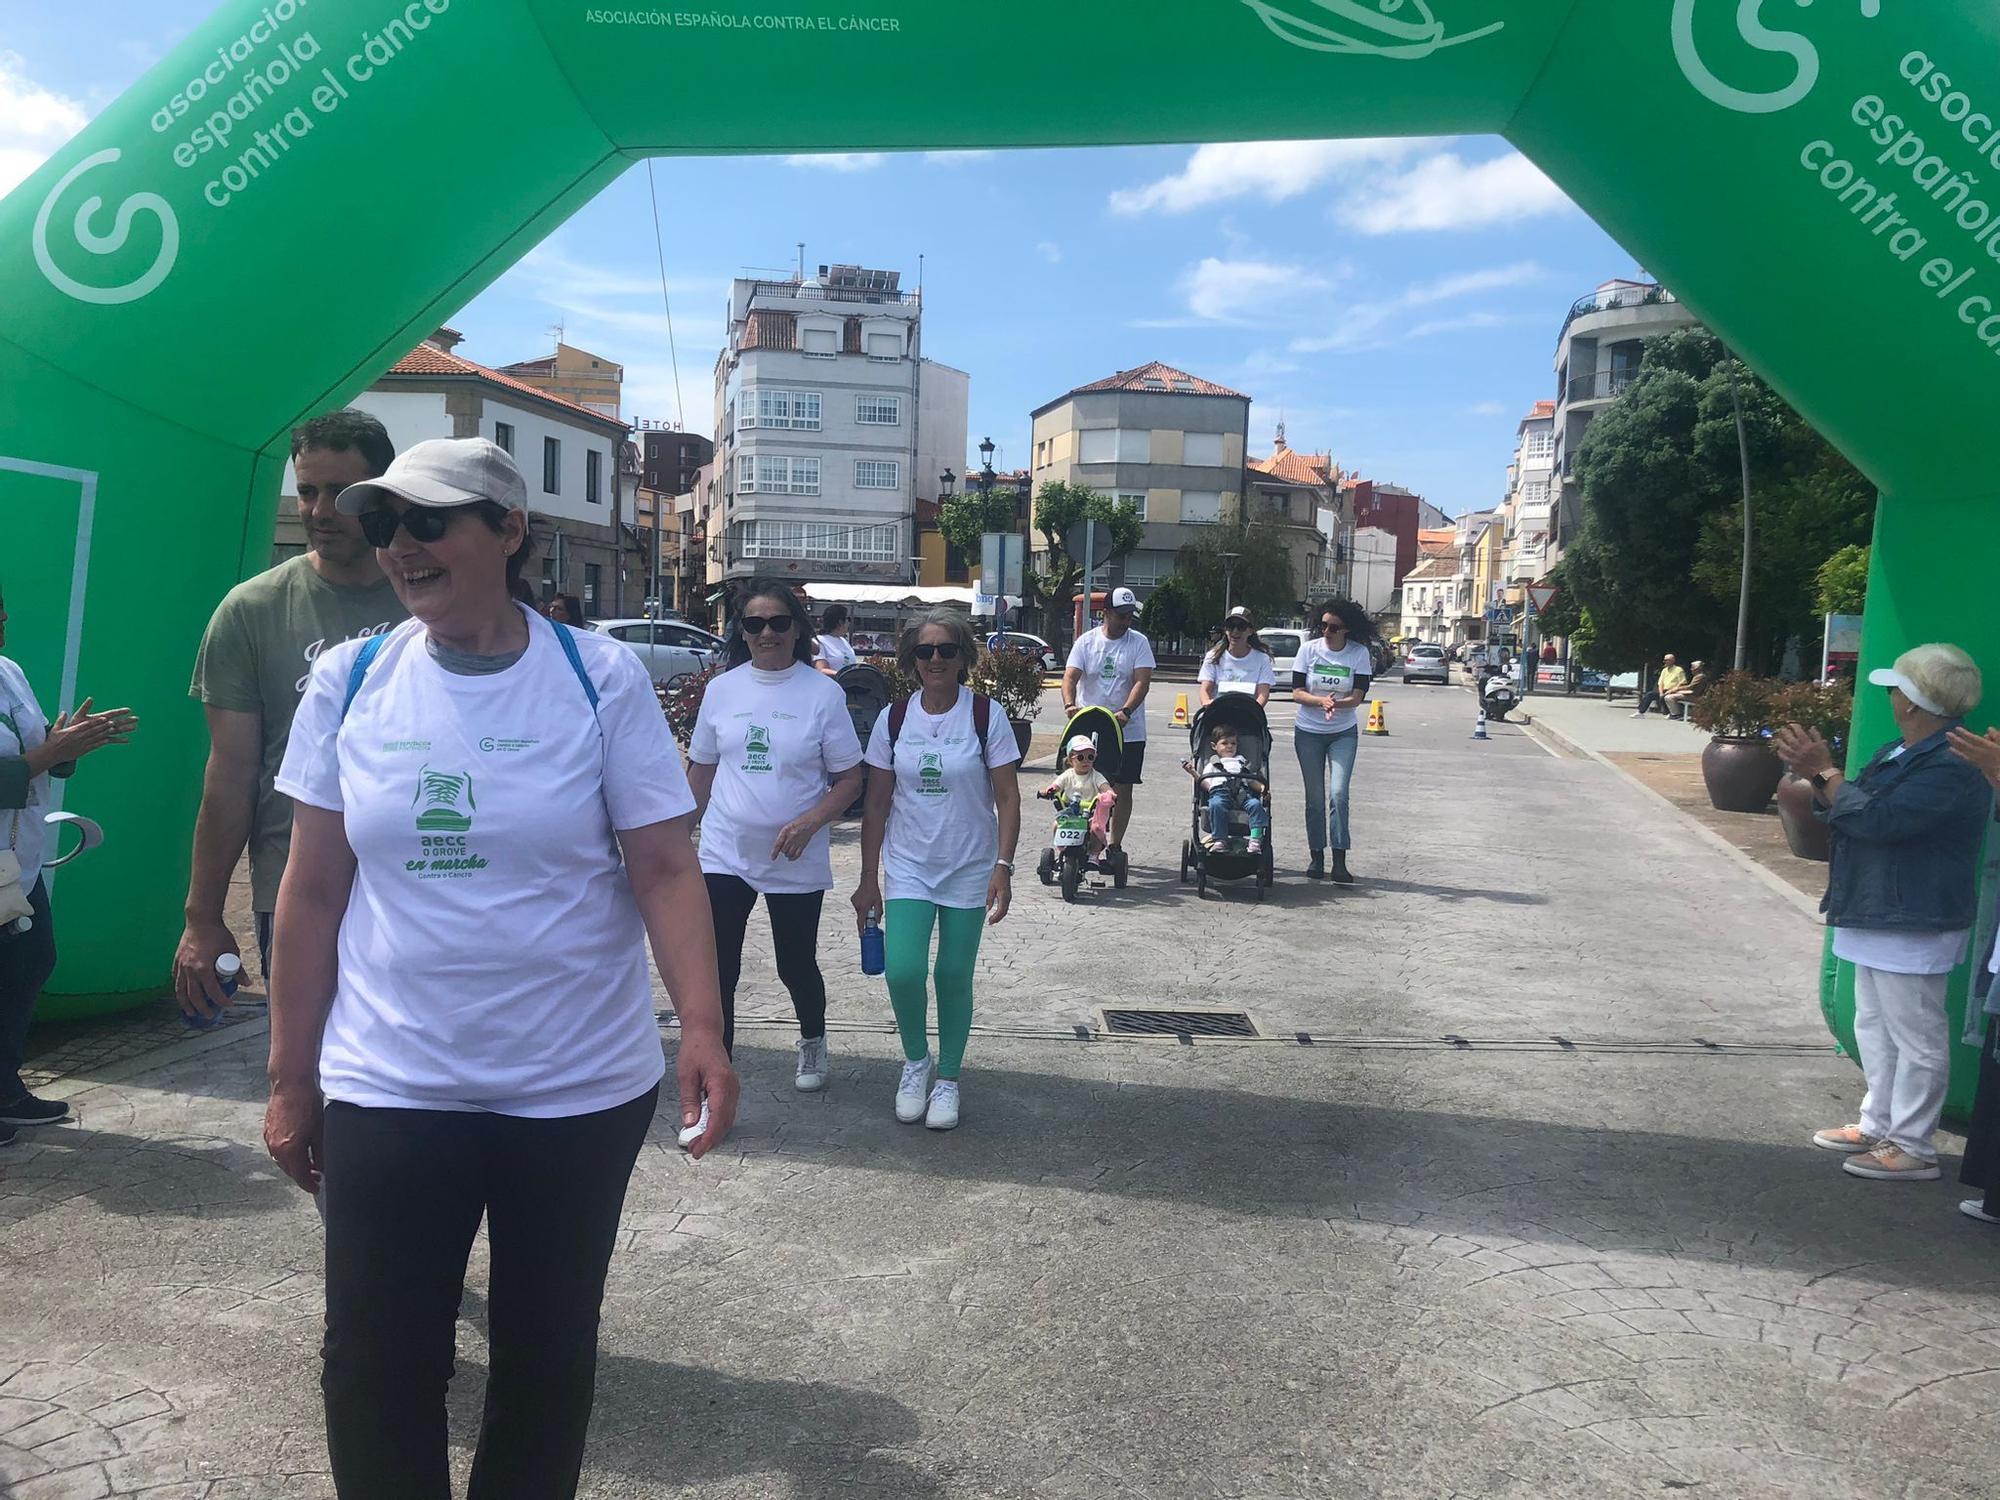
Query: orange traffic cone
[[1378, 719]]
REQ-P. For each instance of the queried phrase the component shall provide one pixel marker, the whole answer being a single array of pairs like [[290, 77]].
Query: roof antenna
[[802, 262]]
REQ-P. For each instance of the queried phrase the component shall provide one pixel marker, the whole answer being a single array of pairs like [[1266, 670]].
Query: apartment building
[[1300, 492], [1370, 504], [1598, 352], [576, 375], [1530, 494], [830, 427], [1171, 443]]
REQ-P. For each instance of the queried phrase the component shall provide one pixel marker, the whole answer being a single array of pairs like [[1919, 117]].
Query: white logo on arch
[[1756, 35], [88, 239], [1371, 28]]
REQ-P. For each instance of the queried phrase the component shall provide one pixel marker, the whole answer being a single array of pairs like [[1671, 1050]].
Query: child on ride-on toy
[[1082, 787], [1224, 778]]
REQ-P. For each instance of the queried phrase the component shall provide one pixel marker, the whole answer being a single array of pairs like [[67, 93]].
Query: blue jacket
[[1906, 835]]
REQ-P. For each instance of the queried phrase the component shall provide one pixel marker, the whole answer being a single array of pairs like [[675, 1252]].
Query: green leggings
[[906, 942]]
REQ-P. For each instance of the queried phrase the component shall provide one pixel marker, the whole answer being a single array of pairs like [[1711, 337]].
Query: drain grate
[[1179, 1023]]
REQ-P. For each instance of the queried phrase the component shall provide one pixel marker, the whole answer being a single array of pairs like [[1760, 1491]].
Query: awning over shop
[[887, 597]]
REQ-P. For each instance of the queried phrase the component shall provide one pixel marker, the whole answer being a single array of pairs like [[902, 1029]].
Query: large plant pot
[[1741, 774], [1024, 730], [1808, 836]]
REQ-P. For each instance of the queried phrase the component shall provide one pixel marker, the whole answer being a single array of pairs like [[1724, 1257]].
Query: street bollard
[[1378, 718]]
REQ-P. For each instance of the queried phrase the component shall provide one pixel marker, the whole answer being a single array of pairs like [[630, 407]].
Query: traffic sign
[[1541, 595]]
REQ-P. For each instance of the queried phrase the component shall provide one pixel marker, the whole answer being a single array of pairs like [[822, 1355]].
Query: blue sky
[[1396, 302]]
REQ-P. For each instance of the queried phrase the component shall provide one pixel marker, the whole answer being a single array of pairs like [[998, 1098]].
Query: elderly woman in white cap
[[491, 822], [1240, 662], [1906, 835]]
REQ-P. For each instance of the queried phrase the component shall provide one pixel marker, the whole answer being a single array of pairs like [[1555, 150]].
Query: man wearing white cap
[[1112, 667], [1906, 834]]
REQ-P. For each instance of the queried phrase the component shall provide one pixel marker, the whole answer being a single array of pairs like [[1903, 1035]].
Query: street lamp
[[947, 482], [1228, 578], [986, 466]]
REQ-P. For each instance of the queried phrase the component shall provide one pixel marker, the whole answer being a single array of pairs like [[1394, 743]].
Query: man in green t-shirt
[[253, 666]]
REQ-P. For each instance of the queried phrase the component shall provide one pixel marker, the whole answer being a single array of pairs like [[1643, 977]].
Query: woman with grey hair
[[1906, 835], [938, 830]]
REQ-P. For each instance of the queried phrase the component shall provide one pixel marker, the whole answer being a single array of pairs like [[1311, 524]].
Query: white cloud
[[1272, 170], [34, 121], [1369, 325], [956, 158], [1050, 251], [1444, 191], [1461, 283], [840, 161], [1487, 409], [1467, 322], [1237, 291]]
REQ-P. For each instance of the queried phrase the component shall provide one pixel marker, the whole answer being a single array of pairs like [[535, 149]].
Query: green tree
[[1261, 579], [965, 519], [1842, 583], [1172, 611], [1058, 507]]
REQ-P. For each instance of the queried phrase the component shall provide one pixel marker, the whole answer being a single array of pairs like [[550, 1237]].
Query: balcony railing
[[1599, 385], [1606, 301]]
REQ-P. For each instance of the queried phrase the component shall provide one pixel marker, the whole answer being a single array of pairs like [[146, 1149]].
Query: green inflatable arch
[[308, 187]]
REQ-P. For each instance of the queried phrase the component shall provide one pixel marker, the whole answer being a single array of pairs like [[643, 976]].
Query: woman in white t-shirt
[[773, 763], [1330, 678], [942, 818], [834, 655], [491, 822], [1240, 663]]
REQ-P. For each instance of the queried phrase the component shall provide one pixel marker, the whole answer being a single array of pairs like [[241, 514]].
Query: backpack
[[982, 720], [372, 648]]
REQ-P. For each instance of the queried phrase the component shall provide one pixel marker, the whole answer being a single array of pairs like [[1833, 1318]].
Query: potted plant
[[1739, 766], [1014, 681], [1826, 709]]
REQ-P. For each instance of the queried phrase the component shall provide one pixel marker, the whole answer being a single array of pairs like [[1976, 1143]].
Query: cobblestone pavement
[[1379, 1264]]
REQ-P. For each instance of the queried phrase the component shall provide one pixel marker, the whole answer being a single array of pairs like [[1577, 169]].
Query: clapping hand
[[1982, 750], [78, 732], [1803, 750]]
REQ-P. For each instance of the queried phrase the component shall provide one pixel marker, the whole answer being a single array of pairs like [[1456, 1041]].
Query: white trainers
[[811, 1076], [943, 1113], [912, 1091], [1975, 1208]]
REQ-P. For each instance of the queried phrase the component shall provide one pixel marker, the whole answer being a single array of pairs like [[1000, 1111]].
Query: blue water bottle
[[228, 975], [872, 961]]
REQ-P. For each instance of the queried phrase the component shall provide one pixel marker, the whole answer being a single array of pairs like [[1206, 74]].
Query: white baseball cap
[[1080, 742], [1889, 677], [1238, 613], [1124, 599], [441, 473]]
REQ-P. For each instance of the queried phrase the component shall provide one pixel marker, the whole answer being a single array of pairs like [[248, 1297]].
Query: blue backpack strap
[[370, 649], [567, 640]]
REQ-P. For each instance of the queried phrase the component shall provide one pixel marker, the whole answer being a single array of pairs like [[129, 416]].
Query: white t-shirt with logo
[[1239, 674], [491, 957], [1330, 673], [836, 652], [1108, 668], [944, 831], [776, 740], [22, 728]]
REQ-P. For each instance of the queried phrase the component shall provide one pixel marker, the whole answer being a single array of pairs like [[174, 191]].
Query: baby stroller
[[868, 693], [1100, 727], [1230, 860]]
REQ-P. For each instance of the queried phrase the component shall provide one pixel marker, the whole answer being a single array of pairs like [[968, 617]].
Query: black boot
[[1317, 869], [1340, 874]]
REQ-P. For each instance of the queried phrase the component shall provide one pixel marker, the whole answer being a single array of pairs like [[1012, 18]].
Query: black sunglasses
[[423, 523], [947, 652], [758, 624], [1237, 625]]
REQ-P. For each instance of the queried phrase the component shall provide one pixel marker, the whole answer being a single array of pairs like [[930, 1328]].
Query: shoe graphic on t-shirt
[[439, 795]]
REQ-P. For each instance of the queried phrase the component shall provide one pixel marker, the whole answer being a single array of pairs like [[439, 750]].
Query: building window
[[878, 411], [1144, 569], [1136, 499], [885, 348], [821, 343], [1203, 450], [1535, 492], [593, 476], [551, 466], [1111, 445], [1201, 507], [591, 572], [548, 578], [799, 410], [817, 541], [876, 474], [503, 435], [1539, 445], [774, 474]]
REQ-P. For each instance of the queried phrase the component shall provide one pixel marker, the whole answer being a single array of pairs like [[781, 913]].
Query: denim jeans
[[1327, 762], [1219, 809]]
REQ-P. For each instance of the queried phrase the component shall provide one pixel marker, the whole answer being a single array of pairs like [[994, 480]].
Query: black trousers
[[1981, 1167], [403, 1195], [795, 936], [26, 961]]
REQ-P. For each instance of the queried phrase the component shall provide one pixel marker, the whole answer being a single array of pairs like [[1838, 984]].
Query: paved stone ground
[[1383, 1265]]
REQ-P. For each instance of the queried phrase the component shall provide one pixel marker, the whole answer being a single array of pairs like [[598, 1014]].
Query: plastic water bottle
[[228, 975], [872, 960]]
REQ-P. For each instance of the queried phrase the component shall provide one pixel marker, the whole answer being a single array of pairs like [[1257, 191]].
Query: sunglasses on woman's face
[[423, 523], [1236, 625], [758, 624], [946, 652]]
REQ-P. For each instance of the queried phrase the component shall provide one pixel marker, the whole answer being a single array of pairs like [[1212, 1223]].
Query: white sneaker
[[811, 1076], [1974, 1208], [911, 1092], [943, 1113]]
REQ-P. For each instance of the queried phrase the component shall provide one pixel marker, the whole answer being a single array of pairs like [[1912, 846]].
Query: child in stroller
[[1225, 779], [1082, 787]]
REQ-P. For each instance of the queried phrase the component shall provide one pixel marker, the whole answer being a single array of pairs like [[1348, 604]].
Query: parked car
[[669, 648], [1284, 646], [1423, 662], [1032, 645]]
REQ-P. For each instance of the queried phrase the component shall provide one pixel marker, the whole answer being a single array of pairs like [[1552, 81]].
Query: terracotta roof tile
[[1295, 467], [427, 359], [1430, 567], [1160, 379]]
